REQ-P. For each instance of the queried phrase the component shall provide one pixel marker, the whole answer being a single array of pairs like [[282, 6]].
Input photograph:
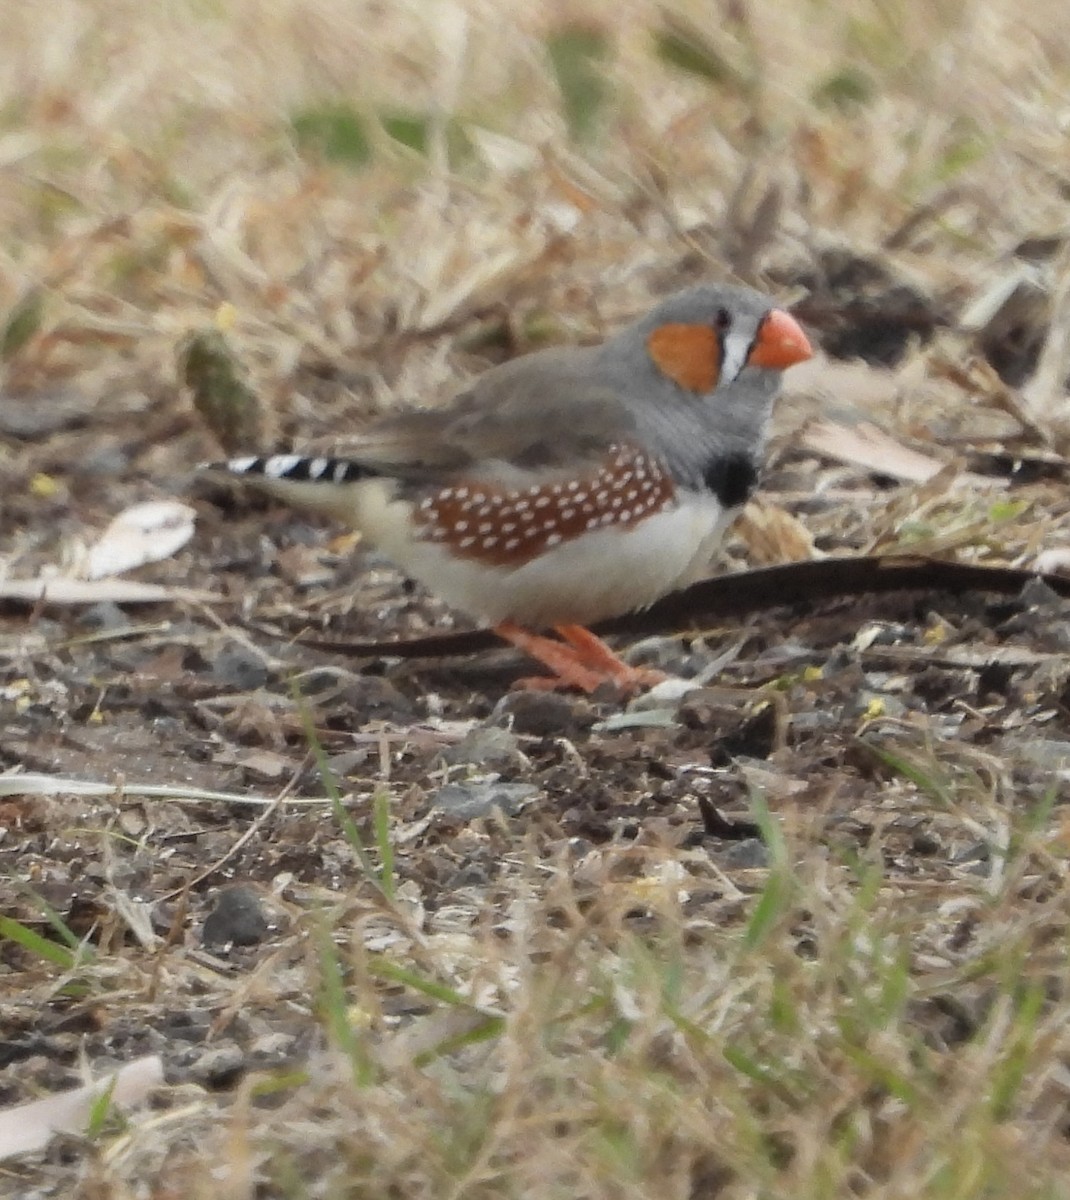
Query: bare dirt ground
[[799, 930]]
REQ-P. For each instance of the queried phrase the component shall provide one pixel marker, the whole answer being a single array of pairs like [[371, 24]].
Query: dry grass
[[619, 1021]]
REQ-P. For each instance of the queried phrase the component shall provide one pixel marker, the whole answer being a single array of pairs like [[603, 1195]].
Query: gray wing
[[545, 411]]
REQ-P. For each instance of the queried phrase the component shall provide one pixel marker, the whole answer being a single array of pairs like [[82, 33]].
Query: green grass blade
[[384, 969], [102, 1111], [779, 889], [576, 54], [335, 1008], [345, 821], [681, 45], [484, 1030], [912, 771], [45, 948], [63, 930], [381, 820], [335, 132]]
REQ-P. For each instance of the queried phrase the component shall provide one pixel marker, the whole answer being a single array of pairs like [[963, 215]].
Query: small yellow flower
[[43, 486], [226, 316]]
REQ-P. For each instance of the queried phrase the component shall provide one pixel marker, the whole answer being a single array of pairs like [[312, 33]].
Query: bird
[[569, 484]]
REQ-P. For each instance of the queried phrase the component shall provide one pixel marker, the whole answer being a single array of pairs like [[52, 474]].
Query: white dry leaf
[[1053, 561], [16, 783], [503, 155], [868, 446], [142, 534], [29, 1127], [1010, 296], [137, 916], [61, 589], [848, 386]]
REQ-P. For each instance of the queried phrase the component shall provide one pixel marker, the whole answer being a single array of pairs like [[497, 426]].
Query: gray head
[[700, 372]]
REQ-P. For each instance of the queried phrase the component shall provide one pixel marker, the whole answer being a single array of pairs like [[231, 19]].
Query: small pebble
[[236, 920]]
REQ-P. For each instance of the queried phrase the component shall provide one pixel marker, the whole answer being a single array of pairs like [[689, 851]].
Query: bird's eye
[[722, 320]]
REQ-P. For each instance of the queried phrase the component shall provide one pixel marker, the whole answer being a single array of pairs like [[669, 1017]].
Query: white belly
[[597, 575]]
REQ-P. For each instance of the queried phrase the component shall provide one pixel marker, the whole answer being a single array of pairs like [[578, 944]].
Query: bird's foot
[[581, 661]]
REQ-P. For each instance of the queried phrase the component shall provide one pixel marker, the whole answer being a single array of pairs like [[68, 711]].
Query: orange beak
[[781, 343]]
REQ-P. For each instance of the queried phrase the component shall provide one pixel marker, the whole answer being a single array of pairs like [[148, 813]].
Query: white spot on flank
[[508, 527], [483, 510], [542, 501], [632, 494], [580, 497], [464, 543], [478, 498], [521, 506], [488, 542], [567, 514], [426, 503], [573, 485], [512, 543], [445, 494], [486, 527], [460, 526], [461, 493], [552, 524], [554, 539]]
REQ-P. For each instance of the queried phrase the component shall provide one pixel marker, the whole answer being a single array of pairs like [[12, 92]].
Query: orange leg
[[581, 661], [596, 655]]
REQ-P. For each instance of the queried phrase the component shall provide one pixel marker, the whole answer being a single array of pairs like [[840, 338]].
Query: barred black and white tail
[[297, 468], [319, 483]]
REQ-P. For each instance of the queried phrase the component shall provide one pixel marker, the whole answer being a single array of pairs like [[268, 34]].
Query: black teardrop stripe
[[731, 478]]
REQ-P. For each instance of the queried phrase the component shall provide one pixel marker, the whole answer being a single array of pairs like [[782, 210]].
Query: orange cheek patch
[[689, 355]]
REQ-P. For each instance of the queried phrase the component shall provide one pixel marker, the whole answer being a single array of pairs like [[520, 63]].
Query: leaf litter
[[576, 978]]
